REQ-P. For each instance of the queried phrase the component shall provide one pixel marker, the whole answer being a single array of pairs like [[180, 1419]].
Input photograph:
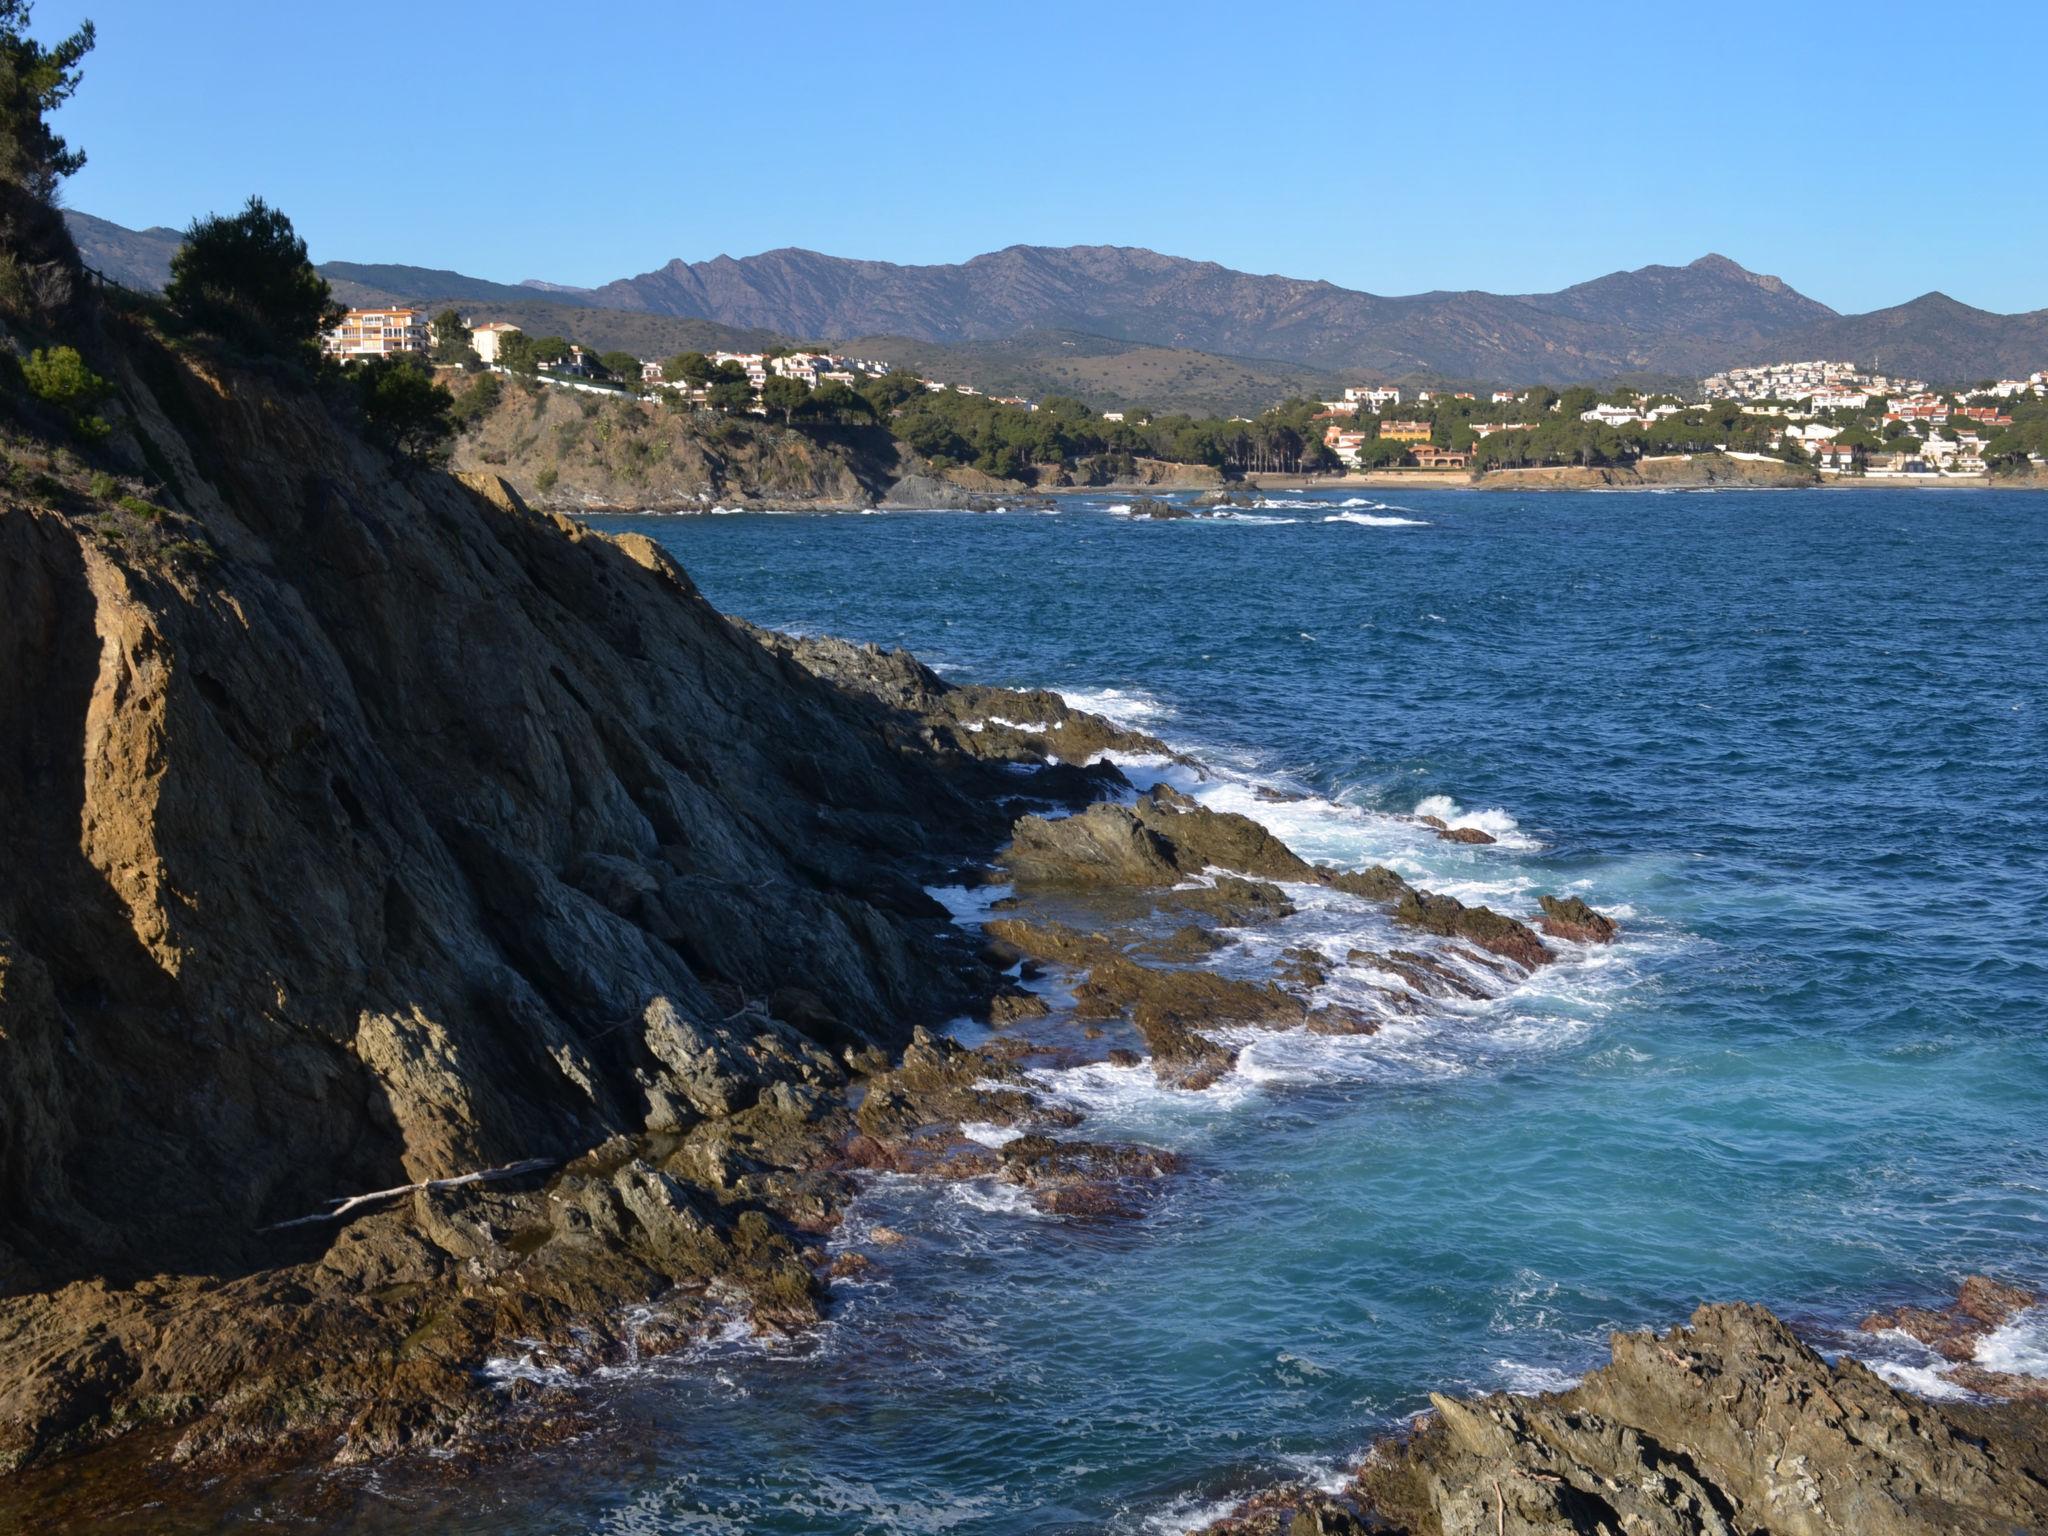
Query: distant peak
[[1720, 266]]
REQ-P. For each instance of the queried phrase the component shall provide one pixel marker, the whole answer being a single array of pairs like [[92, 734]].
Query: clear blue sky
[[1394, 148]]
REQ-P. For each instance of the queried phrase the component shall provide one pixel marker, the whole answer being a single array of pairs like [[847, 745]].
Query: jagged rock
[[1273, 796], [1185, 943], [1570, 918], [1231, 901], [1730, 1425], [1001, 724], [366, 828], [1376, 884], [1153, 509], [1012, 1007], [1464, 835], [1153, 842], [1448, 917], [1170, 1008], [1954, 1331]]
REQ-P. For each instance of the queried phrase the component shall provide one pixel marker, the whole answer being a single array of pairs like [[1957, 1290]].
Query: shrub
[[104, 486], [545, 480], [248, 278], [479, 400], [60, 378]]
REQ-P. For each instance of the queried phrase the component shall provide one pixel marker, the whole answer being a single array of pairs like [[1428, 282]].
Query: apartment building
[[379, 333]]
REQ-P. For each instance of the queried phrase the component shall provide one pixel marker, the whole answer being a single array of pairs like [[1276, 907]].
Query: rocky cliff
[[366, 829], [568, 450]]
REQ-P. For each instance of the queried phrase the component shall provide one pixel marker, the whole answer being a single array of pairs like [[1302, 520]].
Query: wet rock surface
[[1730, 1426], [1570, 918]]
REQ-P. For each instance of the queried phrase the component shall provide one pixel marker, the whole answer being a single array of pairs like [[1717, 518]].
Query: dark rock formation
[[367, 830]]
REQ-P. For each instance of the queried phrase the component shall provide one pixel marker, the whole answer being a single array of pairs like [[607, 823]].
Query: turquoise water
[[1795, 741]]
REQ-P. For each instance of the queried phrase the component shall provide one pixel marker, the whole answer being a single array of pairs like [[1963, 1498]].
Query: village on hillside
[[1833, 417]]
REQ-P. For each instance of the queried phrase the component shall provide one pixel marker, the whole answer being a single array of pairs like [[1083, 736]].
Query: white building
[[485, 338], [1373, 399]]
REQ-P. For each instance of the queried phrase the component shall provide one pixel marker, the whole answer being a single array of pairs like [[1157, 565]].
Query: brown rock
[[1572, 919], [1450, 918], [1729, 1425], [1464, 835], [1954, 1331]]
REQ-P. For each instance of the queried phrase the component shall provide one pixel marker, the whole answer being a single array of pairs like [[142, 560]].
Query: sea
[[1794, 742]]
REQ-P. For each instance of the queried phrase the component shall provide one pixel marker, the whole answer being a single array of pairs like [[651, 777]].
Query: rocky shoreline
[[434, 936], [438, 935], [1730, 1424]]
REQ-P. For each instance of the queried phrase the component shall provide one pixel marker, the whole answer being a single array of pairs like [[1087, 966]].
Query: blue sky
[[1392, 148]]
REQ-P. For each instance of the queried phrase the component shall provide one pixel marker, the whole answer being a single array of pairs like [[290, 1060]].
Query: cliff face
[[365, 828], [565, 448]]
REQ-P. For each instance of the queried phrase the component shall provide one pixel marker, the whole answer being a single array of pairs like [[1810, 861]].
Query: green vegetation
[[453, 347], [247, 278], [2009, 451], [59, 377], [405, 406], [689, 368], [1007, 439], [479, 399], [34, 82], [36, 267]]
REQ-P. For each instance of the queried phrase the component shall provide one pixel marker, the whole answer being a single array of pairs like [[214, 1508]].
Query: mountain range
[[1117, 319]]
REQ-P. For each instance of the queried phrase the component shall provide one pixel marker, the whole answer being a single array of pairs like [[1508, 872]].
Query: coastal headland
[[449, 957]]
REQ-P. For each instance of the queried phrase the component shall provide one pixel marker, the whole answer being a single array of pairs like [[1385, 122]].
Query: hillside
[[1932, 337], [1656, 319], [138, 258], [1124, 325]]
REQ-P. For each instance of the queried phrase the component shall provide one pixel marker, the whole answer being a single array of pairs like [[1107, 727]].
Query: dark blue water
[[1795, 740]]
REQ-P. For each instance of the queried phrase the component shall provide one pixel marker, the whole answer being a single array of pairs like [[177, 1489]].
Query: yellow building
[[1405, 431], [379, 333]]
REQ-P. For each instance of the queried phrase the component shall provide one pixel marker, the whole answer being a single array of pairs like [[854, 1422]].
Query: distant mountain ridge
[[1658, 319], [1651, 322]]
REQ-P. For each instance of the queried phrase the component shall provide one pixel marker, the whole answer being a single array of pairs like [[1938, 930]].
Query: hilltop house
[[485, 338], [1373, 399]]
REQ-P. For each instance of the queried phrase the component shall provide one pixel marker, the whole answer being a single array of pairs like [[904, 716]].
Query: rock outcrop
[[569, 450], [1730, 1426], [368, 830]]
